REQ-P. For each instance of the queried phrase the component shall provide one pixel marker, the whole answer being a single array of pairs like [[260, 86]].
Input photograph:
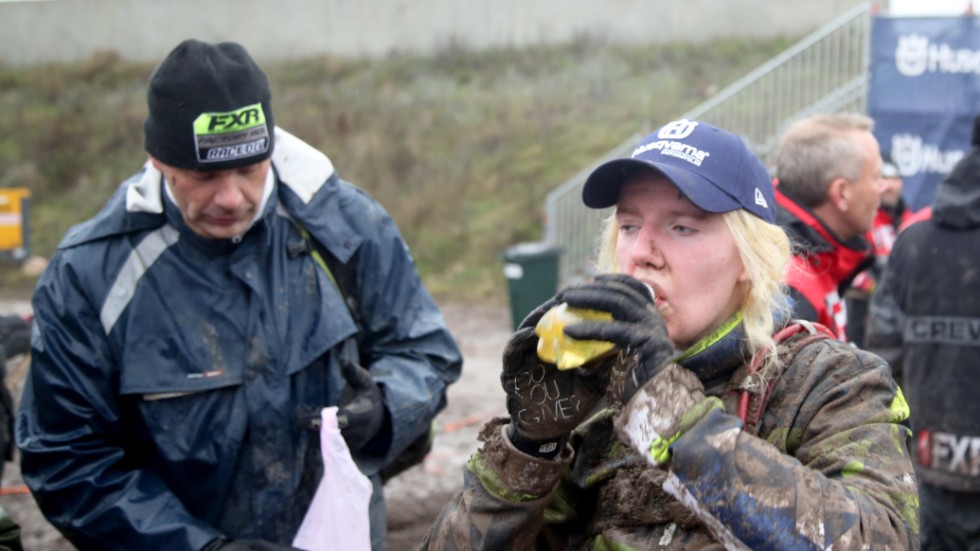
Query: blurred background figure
[[828, 168], [925, 320], [15, 340], [893, 214]]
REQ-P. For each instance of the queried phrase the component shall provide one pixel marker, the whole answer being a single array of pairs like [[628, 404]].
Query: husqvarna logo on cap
[[677, 130], [669, 142], [713, 168]]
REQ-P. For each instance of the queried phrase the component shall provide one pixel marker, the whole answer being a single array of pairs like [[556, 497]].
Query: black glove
[[361, 411], [545, 403], [225, 544], [636, 326]]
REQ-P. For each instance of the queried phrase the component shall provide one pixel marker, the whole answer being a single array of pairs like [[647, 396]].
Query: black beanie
[[209, 108]]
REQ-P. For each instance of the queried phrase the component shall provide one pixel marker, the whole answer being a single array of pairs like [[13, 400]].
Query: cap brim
[[602, 187]]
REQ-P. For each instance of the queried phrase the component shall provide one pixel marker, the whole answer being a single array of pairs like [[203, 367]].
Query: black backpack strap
[[341, 274], [343, 277]]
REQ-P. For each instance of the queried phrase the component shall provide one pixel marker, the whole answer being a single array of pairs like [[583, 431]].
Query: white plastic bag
[[338, 516]]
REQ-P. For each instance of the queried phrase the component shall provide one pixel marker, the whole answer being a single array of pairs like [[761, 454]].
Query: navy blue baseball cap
[[712, 167]]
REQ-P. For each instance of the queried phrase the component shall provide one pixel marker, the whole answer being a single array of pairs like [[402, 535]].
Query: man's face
[[863, 195], [891, 190], [218, 204]]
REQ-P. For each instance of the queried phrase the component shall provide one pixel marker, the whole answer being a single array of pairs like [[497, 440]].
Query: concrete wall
[[66, 30]]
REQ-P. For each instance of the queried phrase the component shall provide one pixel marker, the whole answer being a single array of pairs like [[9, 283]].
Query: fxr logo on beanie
[[209, 108], [231, 135]]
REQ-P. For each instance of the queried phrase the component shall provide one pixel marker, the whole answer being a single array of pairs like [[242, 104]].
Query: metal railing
[[825, 72]]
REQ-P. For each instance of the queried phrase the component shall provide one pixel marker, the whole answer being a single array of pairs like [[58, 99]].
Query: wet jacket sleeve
[[504, 500], [408, 348], [71, 427], [831, 470]]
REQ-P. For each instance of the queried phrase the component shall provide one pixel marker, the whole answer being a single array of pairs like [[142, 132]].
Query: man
[[186, 336], [892, 215], [924, 318], [828, 168]]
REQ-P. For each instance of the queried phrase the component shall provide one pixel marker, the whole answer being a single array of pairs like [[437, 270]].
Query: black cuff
[[537, 448]]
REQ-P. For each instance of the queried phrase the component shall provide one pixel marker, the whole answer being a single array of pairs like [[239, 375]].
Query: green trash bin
[[531, 271]]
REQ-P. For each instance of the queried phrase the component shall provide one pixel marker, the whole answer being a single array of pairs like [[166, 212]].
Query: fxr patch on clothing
[[949, 452]]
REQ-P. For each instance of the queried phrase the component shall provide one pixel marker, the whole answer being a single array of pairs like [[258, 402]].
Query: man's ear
[[838, 193], [156, 164]]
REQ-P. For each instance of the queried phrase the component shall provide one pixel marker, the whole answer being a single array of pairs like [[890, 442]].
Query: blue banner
[[923, 94]]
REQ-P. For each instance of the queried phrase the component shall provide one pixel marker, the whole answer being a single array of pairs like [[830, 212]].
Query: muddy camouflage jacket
[[925, 318], [829, 469], [168, 371]]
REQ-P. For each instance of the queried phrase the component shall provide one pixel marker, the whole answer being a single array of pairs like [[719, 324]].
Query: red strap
[[817, 332]]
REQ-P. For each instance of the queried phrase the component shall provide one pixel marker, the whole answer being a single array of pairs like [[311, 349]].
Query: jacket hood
[[958, 196]]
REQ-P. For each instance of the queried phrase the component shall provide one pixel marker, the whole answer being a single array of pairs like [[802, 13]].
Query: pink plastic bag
[[338, 516]]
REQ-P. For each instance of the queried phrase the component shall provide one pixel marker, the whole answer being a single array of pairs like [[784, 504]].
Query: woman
[[694, 435]]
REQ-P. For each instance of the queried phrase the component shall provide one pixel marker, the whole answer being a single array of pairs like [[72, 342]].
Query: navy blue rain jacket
[[168, 370]]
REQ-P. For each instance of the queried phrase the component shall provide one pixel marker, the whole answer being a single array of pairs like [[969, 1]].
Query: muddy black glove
[[636, 326], [225, 544], [545, 404], [361, 411]]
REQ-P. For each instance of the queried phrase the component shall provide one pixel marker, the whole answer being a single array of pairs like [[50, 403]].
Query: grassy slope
[[461, 148]]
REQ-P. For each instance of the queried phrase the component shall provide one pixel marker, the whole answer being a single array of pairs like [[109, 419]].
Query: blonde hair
[[765, 252]]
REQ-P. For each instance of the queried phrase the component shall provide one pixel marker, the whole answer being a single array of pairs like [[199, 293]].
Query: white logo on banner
[[915, 55], [911, 156]]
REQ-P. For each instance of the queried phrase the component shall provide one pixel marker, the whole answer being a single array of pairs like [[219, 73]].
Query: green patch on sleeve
[[852, 468], [601, 544], [908, 509], [561, 509], [492, 483], [660, 447], [899, 408]]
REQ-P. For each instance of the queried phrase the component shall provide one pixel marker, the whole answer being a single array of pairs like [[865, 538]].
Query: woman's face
[[686, 254]]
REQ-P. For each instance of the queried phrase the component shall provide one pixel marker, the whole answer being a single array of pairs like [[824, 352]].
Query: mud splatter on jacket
[[829, 468], [168, 370], [925, 318]]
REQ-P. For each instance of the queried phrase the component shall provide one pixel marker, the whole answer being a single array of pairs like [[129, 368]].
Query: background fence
[[825, 72]]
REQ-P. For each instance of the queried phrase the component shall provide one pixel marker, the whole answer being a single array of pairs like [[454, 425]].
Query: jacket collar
[[958, 196], [306, 176]]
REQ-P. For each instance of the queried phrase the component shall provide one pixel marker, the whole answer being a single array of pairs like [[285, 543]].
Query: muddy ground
[[416, 496]]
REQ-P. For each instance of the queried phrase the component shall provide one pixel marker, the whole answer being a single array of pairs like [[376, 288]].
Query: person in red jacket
[[828, 169]]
